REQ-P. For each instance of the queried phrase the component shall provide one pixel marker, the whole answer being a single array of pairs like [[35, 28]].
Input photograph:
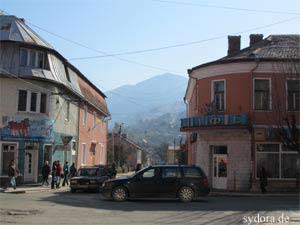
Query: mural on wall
[[26, 128]]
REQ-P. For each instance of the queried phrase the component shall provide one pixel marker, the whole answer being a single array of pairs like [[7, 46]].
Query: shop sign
[[260, 134]]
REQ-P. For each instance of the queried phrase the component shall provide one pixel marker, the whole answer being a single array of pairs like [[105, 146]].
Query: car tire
[[119, 194], [185, 194], [73, 190]]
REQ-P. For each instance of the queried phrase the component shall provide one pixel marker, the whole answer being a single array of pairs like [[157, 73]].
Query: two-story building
[[235, 107], [41, 97]]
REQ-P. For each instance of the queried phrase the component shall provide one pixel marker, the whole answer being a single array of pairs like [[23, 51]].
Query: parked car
[[174, 181], [89, 178]]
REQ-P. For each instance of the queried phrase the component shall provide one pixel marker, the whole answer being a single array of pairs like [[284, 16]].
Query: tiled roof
[[274, 47]]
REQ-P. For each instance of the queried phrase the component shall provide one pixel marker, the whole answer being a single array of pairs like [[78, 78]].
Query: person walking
[[113, 170], [59, 174], [73, 170], [263, 180], [45, 173], [53, 180], [66, 174], [13, 173], [138, 167]]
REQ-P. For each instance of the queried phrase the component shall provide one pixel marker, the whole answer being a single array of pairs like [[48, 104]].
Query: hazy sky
[[115, 26]]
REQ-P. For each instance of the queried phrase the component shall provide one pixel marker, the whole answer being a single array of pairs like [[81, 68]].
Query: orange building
[[236, 109], [92, 125]]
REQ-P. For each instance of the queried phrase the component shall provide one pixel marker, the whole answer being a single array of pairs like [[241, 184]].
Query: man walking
[[73, 170], [58, 173], [66, 174], [12, 173], [45, 173]]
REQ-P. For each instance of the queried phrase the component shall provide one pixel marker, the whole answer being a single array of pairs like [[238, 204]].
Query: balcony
[[227, 120]]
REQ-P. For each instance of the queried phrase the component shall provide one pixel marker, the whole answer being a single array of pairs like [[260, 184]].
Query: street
[[90, 208]]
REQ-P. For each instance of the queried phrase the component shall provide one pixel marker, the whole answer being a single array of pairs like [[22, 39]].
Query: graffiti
[[25, 128]]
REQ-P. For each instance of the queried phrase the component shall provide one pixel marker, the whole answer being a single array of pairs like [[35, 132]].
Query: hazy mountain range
[[150, 98]]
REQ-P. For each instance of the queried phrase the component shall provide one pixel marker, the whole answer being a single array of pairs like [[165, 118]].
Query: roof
[[273, 48], [14, 29]]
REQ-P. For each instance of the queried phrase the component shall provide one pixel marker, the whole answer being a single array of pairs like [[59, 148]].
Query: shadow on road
[[246, 204]]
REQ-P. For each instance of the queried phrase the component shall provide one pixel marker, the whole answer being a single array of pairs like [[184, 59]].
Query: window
[[101, 152], [192, 172], [84, 115], [95, 119], [43, 103], [68, 111], [219, 95], [23, 57], [83, 154], [293, 95], [280, 163], [171, 172], [93, 149], [31, 58], [33, 102], [149, 173], [262, 94], [22, 104]]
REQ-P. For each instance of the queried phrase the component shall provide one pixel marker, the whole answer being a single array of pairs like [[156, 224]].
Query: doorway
[[9, 153], [220, 167], [31, 163]]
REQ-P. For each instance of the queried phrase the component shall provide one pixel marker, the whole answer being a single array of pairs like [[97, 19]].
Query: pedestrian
[[73, 170], [263, 180], [45, 173], [53, 180], [59, 173], [13, 173], [113, 170], [138, 167], [66, 174]]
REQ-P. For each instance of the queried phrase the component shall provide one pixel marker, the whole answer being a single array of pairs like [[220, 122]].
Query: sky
[[116, 26]]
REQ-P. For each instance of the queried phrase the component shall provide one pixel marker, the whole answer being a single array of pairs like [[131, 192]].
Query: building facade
[[40, 101], [239, 109]]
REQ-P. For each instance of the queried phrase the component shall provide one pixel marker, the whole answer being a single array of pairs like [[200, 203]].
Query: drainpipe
[[252, 173]]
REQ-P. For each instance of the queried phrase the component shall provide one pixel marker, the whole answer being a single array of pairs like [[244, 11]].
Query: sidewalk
[[33, 188], [252, 194]]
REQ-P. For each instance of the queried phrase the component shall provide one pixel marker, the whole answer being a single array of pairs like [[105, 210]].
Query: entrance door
[[8, 154], [30, 165], [220, 171]]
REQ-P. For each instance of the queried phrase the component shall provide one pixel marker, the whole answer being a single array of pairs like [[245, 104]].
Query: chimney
[[234, 45], [254, 38]]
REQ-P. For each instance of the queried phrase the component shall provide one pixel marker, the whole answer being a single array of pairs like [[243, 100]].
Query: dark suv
[[172, 181]]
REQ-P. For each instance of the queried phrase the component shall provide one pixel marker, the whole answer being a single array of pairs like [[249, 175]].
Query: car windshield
[[88, 172]]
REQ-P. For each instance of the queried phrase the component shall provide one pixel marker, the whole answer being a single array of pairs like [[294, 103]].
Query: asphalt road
[[90, 208]]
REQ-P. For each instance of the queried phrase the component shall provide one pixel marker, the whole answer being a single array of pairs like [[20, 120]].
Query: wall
[[89, 134]]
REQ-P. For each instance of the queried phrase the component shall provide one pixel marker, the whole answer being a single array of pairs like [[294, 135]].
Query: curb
[[223, 194]]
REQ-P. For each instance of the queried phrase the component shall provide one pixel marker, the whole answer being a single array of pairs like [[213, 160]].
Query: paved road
[[90, 208]]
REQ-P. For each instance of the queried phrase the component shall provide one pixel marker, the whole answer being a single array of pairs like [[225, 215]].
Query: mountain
[[150, 110], [152, 97]]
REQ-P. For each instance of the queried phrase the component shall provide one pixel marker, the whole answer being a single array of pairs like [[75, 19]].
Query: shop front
[[27, 141]]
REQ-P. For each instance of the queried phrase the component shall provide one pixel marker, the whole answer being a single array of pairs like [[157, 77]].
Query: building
[[173, 153], [236, 110], [41, 95], [124, 151]]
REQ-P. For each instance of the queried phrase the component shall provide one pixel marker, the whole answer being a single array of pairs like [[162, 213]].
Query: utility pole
[[174, 151]]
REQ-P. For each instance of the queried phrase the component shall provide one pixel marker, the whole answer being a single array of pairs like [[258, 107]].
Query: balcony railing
[[215, 121]]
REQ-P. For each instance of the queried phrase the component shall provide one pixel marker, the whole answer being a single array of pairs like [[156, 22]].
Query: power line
[[226, 7], [187, 43]]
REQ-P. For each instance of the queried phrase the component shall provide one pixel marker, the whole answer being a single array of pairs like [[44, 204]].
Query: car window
[[170, 172], [192, 172], [87, 172], [149, 173]]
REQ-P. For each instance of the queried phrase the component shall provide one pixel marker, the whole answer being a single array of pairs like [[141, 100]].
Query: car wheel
[[186, 194], [73, 190], [119, 194]]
